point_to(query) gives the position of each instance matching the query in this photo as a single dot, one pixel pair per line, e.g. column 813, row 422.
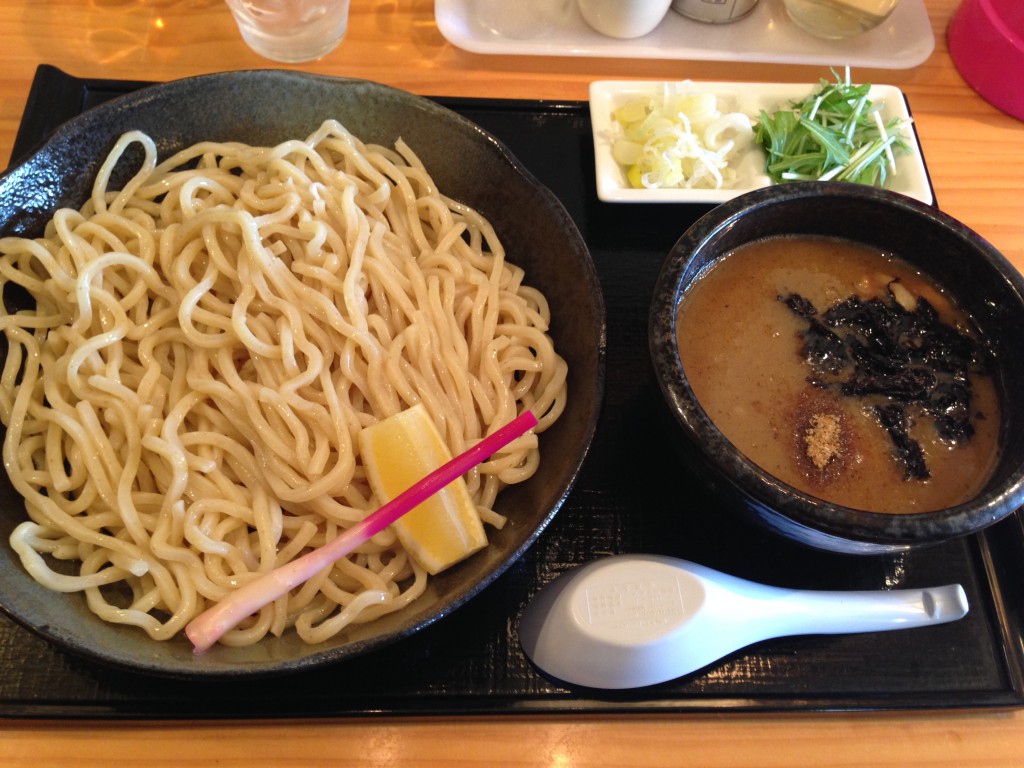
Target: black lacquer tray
column 631, row 497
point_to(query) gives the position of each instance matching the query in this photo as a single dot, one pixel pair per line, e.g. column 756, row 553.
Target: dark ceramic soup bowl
column 974, row 274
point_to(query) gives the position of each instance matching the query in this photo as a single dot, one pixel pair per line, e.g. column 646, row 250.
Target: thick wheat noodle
column 184, row 399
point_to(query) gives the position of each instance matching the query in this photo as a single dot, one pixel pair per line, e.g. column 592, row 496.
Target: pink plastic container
column 986, row 42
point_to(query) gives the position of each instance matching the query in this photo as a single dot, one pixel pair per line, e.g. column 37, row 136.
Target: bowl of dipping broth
column 843, row 365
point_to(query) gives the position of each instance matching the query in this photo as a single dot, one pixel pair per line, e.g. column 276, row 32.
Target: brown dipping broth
column 742, row 354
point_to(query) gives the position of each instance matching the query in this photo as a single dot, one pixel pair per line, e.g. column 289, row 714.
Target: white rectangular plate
column 766, row 34
column 910, row 178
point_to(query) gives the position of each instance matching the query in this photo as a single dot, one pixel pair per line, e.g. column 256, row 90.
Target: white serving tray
column 766, row 35
column 910, row 178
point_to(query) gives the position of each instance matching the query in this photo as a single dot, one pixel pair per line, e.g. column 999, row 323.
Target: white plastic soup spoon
column 628, row 621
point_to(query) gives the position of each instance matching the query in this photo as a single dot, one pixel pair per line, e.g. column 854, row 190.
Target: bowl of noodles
column 211, row 286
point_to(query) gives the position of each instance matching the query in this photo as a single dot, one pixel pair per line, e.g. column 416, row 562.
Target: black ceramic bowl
column 969, row 268
column 469, row 165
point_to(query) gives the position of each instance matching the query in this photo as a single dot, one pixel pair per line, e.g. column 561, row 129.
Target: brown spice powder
column 823, row 439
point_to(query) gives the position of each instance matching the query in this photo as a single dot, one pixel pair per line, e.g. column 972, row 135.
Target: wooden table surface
column 975, row 155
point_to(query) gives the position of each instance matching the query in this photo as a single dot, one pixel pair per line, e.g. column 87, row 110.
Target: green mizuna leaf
column 835, row 133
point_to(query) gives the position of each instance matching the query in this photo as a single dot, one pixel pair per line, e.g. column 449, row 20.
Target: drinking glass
column 291, row 30
column 837, row 19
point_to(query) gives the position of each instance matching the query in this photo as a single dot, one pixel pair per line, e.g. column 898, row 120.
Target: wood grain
column 839, row 741
column 974, row 153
